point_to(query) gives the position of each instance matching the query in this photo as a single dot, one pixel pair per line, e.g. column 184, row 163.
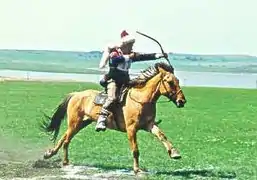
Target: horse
column 135, row 111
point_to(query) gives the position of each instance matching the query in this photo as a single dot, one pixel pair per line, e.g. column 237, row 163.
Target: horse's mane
column 150, row 72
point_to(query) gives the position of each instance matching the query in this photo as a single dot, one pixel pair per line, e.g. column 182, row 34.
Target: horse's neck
column 150, row 92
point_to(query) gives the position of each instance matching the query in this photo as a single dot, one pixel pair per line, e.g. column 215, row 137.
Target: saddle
column 102, row 96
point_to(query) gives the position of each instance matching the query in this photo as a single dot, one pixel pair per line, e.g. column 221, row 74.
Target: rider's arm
column 145, row 57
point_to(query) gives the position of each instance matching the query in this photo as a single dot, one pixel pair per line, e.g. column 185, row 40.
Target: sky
column 181, row 26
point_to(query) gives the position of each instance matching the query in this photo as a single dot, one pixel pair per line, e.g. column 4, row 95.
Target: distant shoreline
column 191, row 79
column 100, row 52
column 88, row 61
column 2, row 79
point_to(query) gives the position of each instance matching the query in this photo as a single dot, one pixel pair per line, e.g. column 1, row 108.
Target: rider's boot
column 101, row 122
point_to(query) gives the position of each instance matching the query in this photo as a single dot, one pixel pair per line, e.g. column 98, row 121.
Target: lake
column 206, row 79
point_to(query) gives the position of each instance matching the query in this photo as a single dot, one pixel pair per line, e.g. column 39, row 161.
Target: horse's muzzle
column 180, row 103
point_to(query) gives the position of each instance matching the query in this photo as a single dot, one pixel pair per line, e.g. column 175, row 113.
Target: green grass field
column 216, row 133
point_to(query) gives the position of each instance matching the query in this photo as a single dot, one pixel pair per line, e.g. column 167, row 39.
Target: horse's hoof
column 48, row 154
column 174, row 154
column 65, row 163
column 138, row 170
column 140, row 173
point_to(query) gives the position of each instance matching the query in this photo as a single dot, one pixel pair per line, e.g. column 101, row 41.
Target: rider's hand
column 165, row 55
column 160, row 55
column 132, row 55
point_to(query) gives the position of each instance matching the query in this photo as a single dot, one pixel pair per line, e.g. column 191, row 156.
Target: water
column 210, row 79
column 204, row 79
column 33, row 75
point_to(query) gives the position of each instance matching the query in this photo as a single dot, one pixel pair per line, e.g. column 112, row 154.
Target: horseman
column 119, row 57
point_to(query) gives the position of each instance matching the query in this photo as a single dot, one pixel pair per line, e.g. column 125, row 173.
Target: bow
column 156, row 42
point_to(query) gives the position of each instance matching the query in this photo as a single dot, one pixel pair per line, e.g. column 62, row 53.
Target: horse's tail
column 56, row 119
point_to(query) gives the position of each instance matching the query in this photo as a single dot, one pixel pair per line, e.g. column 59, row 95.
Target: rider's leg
column 104, row 113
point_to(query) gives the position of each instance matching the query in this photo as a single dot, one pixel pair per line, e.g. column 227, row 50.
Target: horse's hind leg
column 48, row 154
column 73, row 128
column 173, row 153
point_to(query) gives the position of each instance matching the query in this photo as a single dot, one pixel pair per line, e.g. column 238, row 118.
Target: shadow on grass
column 186, row 173
column 189, row 173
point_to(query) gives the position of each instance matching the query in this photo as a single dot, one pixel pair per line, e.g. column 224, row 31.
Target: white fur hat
column 126, row 38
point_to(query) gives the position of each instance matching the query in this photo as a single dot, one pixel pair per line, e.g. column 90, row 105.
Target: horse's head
column 170, row 87
column 160, row 75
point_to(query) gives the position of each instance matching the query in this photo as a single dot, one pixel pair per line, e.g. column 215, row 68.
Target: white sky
column 182, row 26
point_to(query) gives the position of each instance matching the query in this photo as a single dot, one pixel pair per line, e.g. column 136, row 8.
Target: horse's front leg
column 131, row 132
column 173, row 153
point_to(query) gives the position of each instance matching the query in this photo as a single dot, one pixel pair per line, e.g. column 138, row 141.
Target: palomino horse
column 136, row 112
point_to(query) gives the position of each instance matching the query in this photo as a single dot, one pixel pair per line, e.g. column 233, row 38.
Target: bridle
column 170, row 95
